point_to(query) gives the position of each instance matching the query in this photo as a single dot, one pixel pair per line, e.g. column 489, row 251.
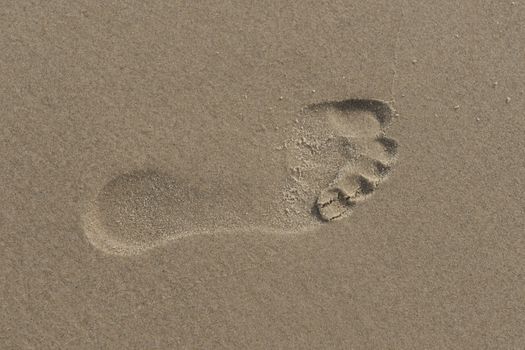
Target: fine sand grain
column 262, row 175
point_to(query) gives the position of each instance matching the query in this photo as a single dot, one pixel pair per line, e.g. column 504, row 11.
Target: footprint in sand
column 337, row 155
column 136, row 211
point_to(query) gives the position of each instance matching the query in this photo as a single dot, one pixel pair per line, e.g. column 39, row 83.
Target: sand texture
column 262, row 175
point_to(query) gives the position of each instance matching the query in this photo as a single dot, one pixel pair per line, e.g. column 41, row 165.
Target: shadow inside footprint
column 356, row 117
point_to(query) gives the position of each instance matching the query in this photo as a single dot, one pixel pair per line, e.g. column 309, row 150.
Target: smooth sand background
column 435, row 260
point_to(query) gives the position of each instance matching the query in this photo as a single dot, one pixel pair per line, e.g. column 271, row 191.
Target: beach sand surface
column 267, row 175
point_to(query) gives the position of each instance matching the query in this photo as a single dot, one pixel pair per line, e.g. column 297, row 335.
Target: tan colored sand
column 206, row 94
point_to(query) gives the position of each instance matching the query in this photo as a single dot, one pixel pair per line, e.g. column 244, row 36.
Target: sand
column 272, row 175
